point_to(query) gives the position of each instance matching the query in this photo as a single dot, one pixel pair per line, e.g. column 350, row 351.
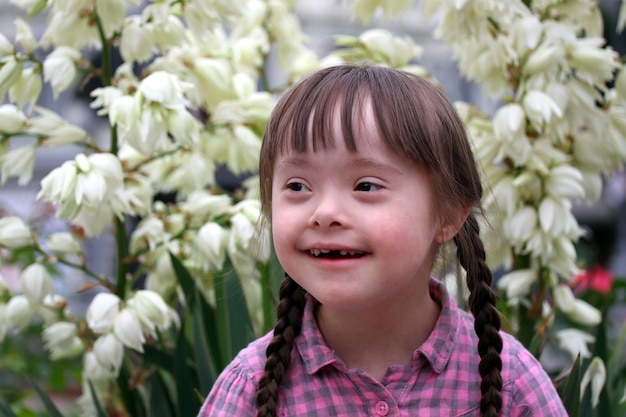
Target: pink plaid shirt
column 442, row 380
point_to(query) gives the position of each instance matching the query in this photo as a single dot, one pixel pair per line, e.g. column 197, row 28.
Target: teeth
column 318, row 252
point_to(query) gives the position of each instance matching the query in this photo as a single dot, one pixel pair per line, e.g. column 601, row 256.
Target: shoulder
column 527, row 386
column 527, row 389
column 234, row 391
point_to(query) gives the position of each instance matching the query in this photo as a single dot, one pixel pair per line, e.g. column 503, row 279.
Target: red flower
column 595, row 278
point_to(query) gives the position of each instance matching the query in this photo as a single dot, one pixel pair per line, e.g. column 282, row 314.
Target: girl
column 365, row 172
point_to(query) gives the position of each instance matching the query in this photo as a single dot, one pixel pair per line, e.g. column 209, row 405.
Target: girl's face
column 355, row 229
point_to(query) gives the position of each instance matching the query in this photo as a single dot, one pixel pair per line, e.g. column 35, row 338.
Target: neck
column 377, row 338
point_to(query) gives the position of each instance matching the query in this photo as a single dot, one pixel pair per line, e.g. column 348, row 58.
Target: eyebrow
column 356, row 163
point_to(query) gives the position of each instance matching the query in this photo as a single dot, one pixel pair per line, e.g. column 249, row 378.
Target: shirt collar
column 437, row 349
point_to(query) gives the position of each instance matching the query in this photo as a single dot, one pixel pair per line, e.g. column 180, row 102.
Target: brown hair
column 419, row 123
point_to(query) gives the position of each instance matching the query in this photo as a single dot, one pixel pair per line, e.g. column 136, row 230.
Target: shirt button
column 382, row 408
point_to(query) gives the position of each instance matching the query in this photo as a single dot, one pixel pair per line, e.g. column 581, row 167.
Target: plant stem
column 120, row 225
column 122, row 251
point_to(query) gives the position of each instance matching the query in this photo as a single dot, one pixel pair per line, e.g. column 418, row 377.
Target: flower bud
column 109, row 352
column 518, row 282
column 127, row 329
column 62, row 341
column 12, row 120
column 24, row 36
column 27, row 88
column 150, row 309
column 36, row 283
column 18, row 312
column 10, row 71
column 575, row 342
column 59, row 68
column 14, row 233
column 18, row 162
column 6, row 48
column 63, row 242
column 102, row 312
column 53, row 308
column 596, row 374
column 211, row 241
column 93, row 370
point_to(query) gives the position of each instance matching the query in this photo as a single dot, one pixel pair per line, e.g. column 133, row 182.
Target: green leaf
column 185, row 279
column 205, row 355
column 100, row 412
column 188, row 404
column 5, row 410
column 159, row 358
column 160, row 396
column 45, row 399
column 570, row 390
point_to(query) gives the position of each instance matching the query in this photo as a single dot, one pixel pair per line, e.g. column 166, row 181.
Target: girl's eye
column 367, row 187
column 297, row 186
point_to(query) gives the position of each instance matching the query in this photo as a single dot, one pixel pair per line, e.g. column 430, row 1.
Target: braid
column 482, row 303
column 288, row 325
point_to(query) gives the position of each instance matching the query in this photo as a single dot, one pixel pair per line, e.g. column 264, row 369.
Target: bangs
column 308, row 116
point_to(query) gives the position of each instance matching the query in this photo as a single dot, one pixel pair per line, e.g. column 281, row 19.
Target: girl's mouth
column 336, row 254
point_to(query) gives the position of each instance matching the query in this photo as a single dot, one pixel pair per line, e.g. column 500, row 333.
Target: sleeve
column 534, row 393
column 233, row 394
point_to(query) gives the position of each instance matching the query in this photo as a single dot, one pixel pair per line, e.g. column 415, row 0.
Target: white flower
column 575, row 342
column 18, row 162
column 519, row 226
column 18, row 312
column 136, row 197
column 127, row 329
column 102, row 312
column 540, row 108
column 596, row 374
column 54, row 129
column 12, row 120
column 36, row 283
column 59, row 68
column 364, row 9
column 94, row 370
column 53, row 308
column 111, row 14
column 509, row 122
column 6, row 48
column 565, row 181
column 24, row 36
column 103, row 98
column 576, row 310
column 62, row 341
column 211, row 241
column 14, row 233
column 165, row 89
column 84, row 190
column 162, row 279
column 150, row 309
column 200, row 205
column 63, row 242
column 27, row 88
column 136, row 43
column 518, row 282
column 555, row 217
column 394, row 50
column 109, row 353
column 10, row 72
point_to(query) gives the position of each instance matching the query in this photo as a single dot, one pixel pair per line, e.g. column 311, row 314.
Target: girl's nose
column 329, row 212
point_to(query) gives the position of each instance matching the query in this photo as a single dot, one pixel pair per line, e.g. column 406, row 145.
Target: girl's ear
column 450, row 226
